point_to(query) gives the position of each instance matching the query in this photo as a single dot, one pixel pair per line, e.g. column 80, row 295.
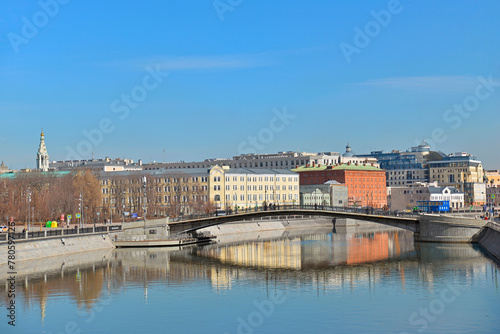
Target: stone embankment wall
column 490, row 239
column 61, row 245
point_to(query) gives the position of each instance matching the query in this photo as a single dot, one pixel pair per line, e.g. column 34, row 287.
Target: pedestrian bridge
column 426, row 227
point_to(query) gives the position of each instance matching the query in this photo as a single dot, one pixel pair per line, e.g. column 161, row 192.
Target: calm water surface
column 315, row 281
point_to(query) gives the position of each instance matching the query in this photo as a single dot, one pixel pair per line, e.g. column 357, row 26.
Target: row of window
column 260, row 197
column 258, row 179
column 260, row 187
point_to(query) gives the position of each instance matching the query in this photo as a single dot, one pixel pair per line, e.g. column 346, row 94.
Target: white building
column 42, row 157
column 451, row 194
column 406, row 198
column 280, row 160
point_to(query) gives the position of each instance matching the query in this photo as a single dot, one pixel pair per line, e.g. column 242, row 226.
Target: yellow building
column 176, row 192
column 456, row 170
column 493, row 178
column 241, row 188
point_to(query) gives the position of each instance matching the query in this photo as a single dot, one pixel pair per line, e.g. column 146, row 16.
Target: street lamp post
column 80, row 206
column 123, row 208
column 144, row 199
column 29, row 209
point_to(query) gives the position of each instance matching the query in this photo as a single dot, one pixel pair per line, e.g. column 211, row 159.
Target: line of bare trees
column 171, row 194
column 39, row 197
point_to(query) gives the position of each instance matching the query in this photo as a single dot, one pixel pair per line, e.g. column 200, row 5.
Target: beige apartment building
column 242, row 188
column 179, row 192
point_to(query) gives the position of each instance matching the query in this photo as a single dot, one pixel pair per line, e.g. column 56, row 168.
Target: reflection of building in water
column 313, row 251
column 368, row 248
column 280, row 254
column 222, row 278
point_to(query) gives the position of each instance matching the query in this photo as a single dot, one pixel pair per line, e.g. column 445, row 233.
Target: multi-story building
column 475, row 193
column 456, row 169
column 366, row 184
column 241, row 188
column 280, row 160
column 5, row 169
column 462, row 171
column 406, row 168
column 492, row 178
column 493, row 196
column 177, row 192
column 106, row 164
column 161, row 193
column 406, row 198
column 332, row 193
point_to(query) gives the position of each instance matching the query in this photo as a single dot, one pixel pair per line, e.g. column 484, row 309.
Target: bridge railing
column 272, row 207
column 50, row 233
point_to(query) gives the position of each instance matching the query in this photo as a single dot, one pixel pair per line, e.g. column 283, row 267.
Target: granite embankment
column 490, row 239
column 61, row 245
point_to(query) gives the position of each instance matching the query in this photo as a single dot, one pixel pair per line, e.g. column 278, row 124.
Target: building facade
column 406, row 198
column 406, row 168
column 106, row 164
column 492, row 178
column 177, row 192
column 366, row 184
column 242, row 188
column 462, row 171
column 280, row 160
column 332, row 193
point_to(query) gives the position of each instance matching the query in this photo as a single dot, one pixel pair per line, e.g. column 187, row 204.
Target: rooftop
column 336, row 167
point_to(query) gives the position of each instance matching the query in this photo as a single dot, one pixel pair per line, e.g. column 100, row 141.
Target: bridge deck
column 409, row 223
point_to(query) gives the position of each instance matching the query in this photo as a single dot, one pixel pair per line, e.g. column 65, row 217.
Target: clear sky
column 195, row 79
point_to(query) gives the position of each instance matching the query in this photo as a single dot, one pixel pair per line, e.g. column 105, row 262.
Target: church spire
column 42, row 157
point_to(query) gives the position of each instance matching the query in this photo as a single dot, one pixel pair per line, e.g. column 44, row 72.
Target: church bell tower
column 42, row 157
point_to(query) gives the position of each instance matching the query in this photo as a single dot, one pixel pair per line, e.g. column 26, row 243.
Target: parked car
column 3, row 229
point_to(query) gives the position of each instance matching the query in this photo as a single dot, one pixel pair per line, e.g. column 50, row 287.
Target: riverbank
column 26, row 249
column 490, row 239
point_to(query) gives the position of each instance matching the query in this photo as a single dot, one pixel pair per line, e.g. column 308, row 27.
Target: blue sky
column 226, row 71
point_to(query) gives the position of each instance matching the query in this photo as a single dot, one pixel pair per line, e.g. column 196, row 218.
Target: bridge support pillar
column 448, row 229
column 344, row 222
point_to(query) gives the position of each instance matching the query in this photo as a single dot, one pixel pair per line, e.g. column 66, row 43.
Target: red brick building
column 366, row 184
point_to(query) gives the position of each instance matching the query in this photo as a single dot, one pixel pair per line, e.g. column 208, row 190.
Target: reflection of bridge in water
column 435, row 228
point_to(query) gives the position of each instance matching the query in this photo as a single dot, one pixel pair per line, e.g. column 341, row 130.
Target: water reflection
column 320, row 259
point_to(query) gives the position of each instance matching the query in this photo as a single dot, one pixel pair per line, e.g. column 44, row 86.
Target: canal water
column 356, row 280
